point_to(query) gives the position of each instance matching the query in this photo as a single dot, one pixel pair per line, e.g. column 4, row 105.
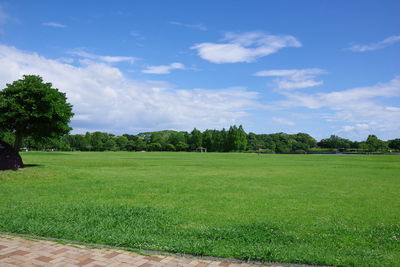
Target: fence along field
column 315, row 209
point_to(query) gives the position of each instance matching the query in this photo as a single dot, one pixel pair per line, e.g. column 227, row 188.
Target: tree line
column 230, row 140
column 35, row 115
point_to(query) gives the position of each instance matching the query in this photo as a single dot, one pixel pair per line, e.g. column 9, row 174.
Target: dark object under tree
column 9, row 157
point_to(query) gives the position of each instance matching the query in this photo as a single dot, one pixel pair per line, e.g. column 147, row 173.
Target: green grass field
column 341, row 210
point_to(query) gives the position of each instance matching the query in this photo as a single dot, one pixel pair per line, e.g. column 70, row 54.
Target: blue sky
column 321, row 67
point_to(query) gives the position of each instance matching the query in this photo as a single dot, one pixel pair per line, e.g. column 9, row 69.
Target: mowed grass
column 341, row 210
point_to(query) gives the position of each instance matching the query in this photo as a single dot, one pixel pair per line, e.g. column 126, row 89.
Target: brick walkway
column 17, row 251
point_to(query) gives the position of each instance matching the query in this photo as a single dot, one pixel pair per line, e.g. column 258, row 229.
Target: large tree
column 31, row 107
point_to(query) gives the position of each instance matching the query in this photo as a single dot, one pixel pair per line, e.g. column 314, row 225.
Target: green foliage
column 374, row 144
column 195, row 139
column 177, row 137
column 121, row 142
column 282, row 141
column 182, row 146
column 30, row 107
column 324, row 210
column 7, row 137
column 394, row 144
column 170, row 147
column 155, row 146
column 237, row 139
column 334, row 142
column 110, row 145
column 80, row 142
column 255, row 142
column 306, row 140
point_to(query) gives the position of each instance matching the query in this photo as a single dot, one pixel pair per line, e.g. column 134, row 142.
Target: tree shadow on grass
column 31, row 165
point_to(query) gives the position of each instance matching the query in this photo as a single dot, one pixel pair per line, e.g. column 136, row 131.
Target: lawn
column 341, row 210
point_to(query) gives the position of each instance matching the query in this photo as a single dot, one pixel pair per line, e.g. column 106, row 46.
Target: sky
column 314, row 66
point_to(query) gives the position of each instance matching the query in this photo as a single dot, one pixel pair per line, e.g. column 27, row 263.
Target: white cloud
column 294, row 78
column 137, row 36
column 362, row 110
column 54, row 24
column 246, row 47
column 199, row 26
column 164, row 69
column 283, row 121
column 105, row 99
column 375, row 46
column 107, row 59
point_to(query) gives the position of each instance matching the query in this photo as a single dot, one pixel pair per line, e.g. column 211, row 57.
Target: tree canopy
column 31, row 108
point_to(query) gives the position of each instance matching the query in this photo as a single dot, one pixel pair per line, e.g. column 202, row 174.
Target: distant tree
column 110, row 145
column 241, row 139
column 299, row 146
column 282, row 142
column 195, row 140
column 97, row 141
column 130, row 146
column 253, row 142
column 135, row 142
column 169, row 147
column 374, row 144
column 394, row 144
column 30, row 107
column 334, row 142
column 155, row 147
column 236, row 138
column 221, row 141
column 140, row 145
column 269, row 142
column 176, row 137
column 64, row 143
column 78, row 142
column 208, row 140
column 306, row 140
column 182, row 146
column 88, row 140
column 156, row 137
column 121, row 142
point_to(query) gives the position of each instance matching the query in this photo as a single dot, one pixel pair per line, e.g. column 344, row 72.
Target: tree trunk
column 18, row 140
column 9, row 157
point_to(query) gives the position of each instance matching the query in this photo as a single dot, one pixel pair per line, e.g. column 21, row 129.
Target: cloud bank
column 105, row 99
column 246, row 47
column 360, row 111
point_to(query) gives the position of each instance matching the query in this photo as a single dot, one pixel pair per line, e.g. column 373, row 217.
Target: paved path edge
column 145, row 252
